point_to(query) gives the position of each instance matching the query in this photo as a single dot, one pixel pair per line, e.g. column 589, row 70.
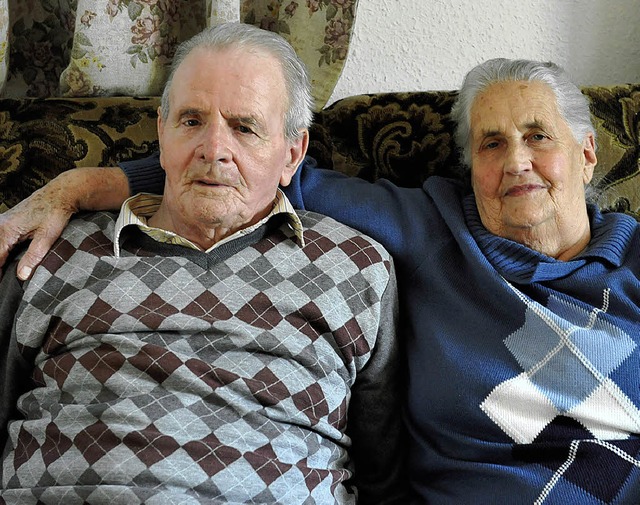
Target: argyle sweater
column 524, row 371
column 250, row 374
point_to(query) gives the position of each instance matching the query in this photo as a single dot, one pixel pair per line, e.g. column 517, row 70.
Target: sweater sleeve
column 375, row 414
column 14, row 369
column 380, row 210
column 145, row 175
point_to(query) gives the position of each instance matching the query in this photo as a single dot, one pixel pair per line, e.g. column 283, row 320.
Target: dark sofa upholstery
column 405, row 137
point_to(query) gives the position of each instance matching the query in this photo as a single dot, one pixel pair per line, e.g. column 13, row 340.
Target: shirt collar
column 136, row 211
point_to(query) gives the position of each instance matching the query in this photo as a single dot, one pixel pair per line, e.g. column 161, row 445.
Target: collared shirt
column 136, row 211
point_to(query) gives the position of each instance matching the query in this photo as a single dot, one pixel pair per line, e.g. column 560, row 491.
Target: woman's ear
column 590, row 158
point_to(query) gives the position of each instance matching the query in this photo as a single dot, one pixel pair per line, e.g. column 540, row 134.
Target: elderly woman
column 521, row 301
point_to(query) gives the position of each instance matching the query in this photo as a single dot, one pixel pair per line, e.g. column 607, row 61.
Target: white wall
column 412, row 45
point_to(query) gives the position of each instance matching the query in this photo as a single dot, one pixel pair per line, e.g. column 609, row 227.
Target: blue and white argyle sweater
column 524, row 371
column 250, row 374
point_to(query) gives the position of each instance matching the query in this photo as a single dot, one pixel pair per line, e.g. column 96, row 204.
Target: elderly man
column 521, row 316
column 210, row 345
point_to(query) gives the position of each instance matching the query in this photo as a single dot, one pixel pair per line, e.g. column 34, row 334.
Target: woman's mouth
column 523, row 189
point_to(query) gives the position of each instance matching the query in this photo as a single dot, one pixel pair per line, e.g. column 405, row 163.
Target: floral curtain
column 124, row 47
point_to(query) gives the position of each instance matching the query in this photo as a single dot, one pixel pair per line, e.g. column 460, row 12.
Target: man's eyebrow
column 248, row 120
column 244, row 116
column 189, row 111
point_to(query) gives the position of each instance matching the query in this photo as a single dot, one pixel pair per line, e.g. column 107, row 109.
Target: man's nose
column 517, row 158
column 215, row 143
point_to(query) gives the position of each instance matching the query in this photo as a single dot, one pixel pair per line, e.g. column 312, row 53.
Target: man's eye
column 244, row 129
column 537, row 137
column 191, row 122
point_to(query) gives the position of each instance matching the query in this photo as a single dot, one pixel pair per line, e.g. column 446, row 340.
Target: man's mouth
column 208, row 182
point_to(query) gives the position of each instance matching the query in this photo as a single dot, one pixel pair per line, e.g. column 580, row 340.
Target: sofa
column 404, row 136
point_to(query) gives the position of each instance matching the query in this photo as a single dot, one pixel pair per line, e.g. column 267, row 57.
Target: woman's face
column 528, row 171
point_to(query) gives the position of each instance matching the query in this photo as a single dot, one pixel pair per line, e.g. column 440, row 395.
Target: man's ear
column 296, row 153
column 160, row 125
column 590, row 159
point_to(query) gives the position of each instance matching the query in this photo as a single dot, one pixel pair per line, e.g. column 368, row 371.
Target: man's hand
column 42, row 216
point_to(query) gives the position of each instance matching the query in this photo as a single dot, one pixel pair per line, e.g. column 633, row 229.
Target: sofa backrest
column 407, row 137
column 404, row 137
column 39, row 138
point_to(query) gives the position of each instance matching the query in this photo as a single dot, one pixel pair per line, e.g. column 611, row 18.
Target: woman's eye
column 491, row 145
column 537, row 137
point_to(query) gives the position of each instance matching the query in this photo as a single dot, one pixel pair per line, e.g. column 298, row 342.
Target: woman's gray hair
column 299, row 107
column 572, row 104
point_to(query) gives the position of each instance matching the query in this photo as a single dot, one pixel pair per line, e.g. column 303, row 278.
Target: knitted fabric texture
column 523, row 370
column 171, row 375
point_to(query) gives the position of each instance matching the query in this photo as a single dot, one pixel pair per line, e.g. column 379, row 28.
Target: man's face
column 528, row 170
column 222, row 145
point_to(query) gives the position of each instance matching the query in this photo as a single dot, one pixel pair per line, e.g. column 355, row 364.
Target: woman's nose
column 517, row 158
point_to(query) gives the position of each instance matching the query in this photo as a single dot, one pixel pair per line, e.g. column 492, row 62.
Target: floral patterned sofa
column 405, row 137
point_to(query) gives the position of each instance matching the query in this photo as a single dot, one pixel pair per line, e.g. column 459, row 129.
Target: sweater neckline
column 610, row 238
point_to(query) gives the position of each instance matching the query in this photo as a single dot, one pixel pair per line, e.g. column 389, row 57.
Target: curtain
column 124, row 47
